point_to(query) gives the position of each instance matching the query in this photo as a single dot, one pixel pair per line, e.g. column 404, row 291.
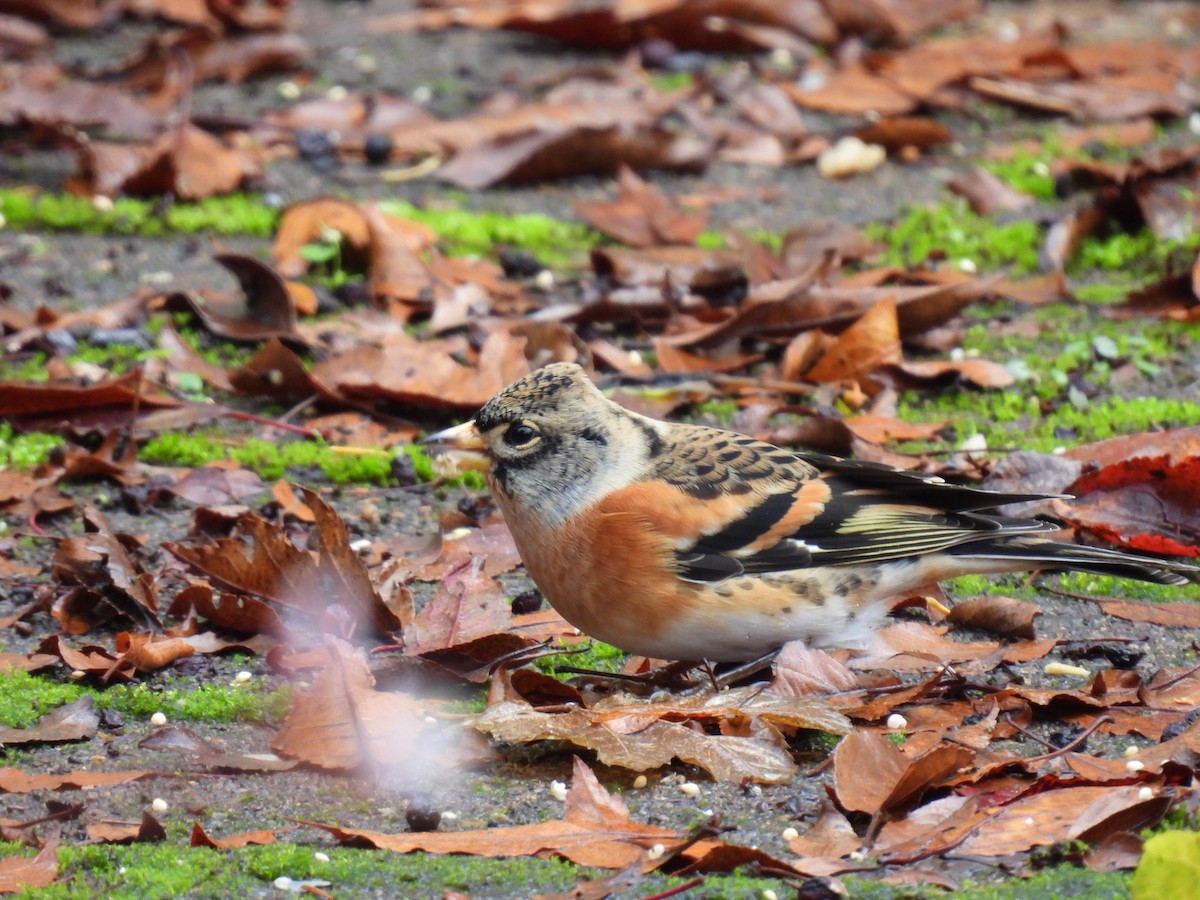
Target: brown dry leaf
column 801, row 670
column 856, row 91
column 215, row 485
column 342, row 723
column 871, row 342
column 190, row 164
column 701, row 271
column 100, row 561
column 199, row 752
column 642, row 215
column 56, row 103
column 887, row 430
column 212, row 56
column 467, row 605
column 329, row 582
column 16, row 781
column 1172, row 615
column 1073, row 813
column 986, row 193
column 408, row 371
column 902, row 132
column 1003, row 616
column 148, row 830
column 595, row 831
column 43, row 406
column 19, row 873
column 639, row 736
column 258, row 838
column 1145, row 503
column 240, row 614
column 73, row 722
column 265, row 311
column 573, row 139
column 933, row 373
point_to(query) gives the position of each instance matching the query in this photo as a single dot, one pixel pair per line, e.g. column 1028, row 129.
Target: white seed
column 957, row 354
column 1131, row 751
column 101, row 203
column 857, row 856
column 1008, row 31
column 1135, row 765
column 544, row 280
column 449, row 816
column 896, row 721
column 976, row 443
column 1057, row 668
column 1029, row 820
column 968, row 266
column 1146, row 793
column 158, row 720
column 849, row 156
column 558, row 790
column 769, row 894
column 159, row 805
column 77, row 674
column 337, row 92
column 242, row 677
column 421, row 94
column 656, row 851
column 640, row 782
column 690, row 789
column 362, row 545
column 782, row 58
column 289, row 90
column 1040, row 169
column 790, row 833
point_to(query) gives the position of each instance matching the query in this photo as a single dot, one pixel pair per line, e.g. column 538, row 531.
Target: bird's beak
column 458, row 448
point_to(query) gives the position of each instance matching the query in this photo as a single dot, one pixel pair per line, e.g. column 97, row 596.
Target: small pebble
column 656, row 851
column 1135, row 765
column 544, row 280
column 321, row 857
column 857, row 856
column 1131, row 752
column 102, row 204
column 159, row 805
column 968, row 266
column 769, row 894
column 558, row 790
column 790, row 833
column 1145, row 793
column 640, row 782
column 421, row 94
column 242, row 677
column 337, row 92
column 690, row 789
column 158, row 720
column 896, row 721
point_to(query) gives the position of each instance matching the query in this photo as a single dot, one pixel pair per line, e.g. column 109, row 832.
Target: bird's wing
column 732, row 504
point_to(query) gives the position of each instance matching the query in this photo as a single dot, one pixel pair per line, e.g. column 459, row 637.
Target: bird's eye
column 520, row 434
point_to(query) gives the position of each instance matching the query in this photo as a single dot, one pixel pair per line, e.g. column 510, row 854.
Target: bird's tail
column 1048, row 554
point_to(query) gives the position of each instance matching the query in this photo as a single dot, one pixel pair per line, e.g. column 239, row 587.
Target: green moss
column 208, row 703
column 1026, row 172
column 1137, row 257
column 270, row 459
column 24, row 698
column 551, row 240
column 31, row 370
column 228, row 215
column 597, row 657
column 672, row 81
column 952, row 231
column 423, row 467
column 25, row 451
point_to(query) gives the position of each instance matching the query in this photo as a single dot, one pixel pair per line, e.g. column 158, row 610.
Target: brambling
column 685, row 542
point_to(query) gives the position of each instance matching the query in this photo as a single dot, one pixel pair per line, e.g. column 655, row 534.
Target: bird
column 679, row 541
